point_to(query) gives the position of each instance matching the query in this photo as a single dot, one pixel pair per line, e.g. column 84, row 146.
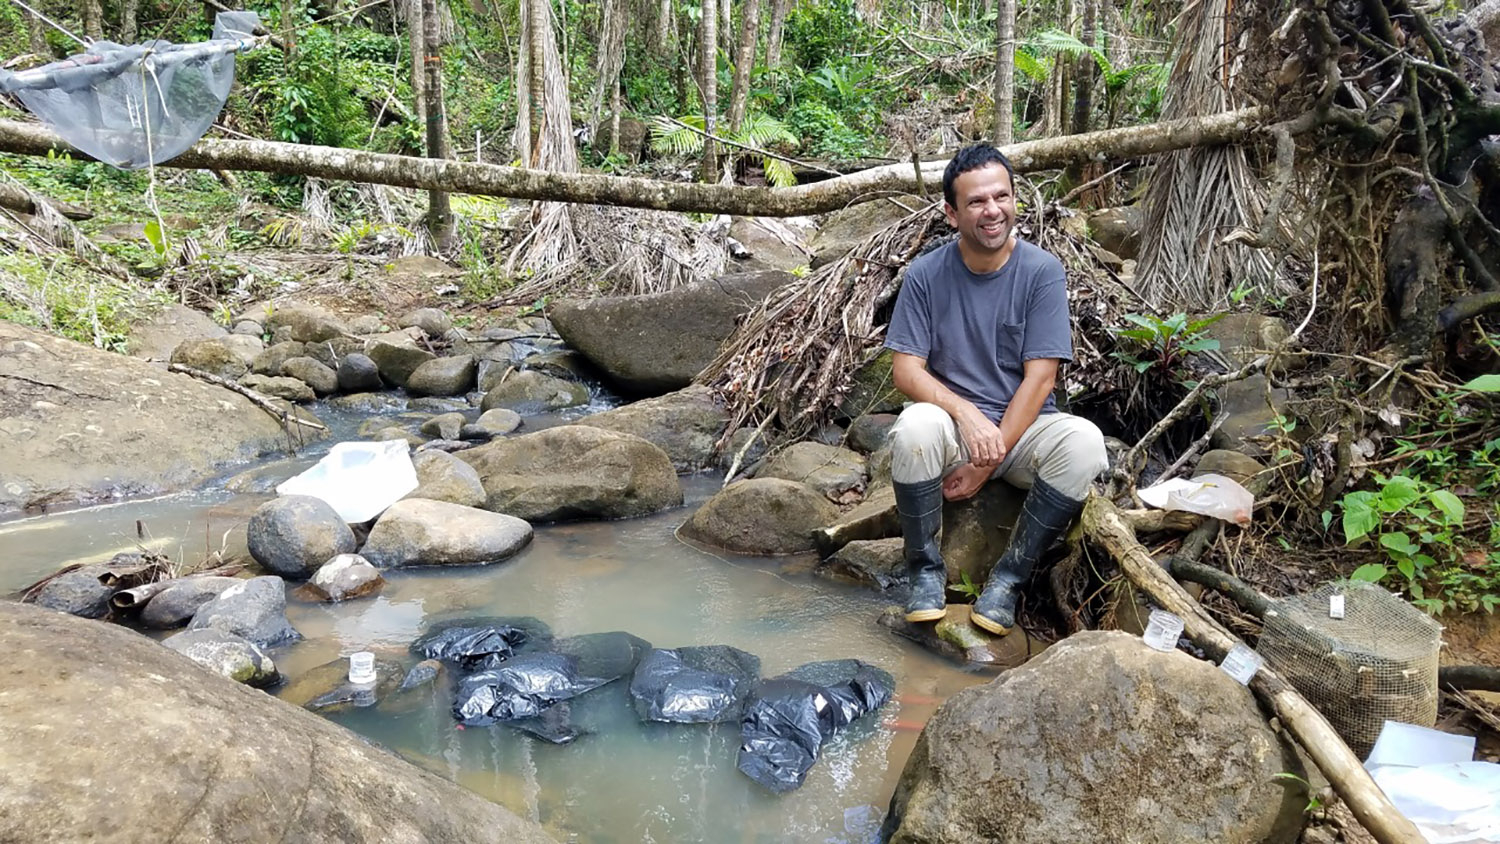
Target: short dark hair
column 973, row 157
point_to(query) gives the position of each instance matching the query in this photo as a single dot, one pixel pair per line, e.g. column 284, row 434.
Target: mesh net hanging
column 133, row 106
column 1377, row 663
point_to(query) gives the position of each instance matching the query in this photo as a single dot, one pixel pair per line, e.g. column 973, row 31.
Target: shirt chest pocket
column 1010, row 342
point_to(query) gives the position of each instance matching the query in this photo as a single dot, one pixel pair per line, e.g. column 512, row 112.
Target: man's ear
column 951, row 214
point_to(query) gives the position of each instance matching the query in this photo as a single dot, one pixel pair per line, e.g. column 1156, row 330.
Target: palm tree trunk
column 1085, row 70
column 744, row 60
column 129, row 10
column 93, row 19
column 415, row 34
column 1005, row 71
column 708, row 78
column 666, row 25
column 539, row 19
column 439, row 211
column 779, row 8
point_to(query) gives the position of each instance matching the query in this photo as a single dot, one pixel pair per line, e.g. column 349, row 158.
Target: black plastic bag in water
column 694, row 685
column 786, row 724
column 522, row 687
column 478, row 646
column 603, row 656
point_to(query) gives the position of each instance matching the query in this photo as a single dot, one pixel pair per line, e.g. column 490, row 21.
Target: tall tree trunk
column 1086, row 69
column 666, row 27
column 744, row 60
column 932, row 14
column 708, row 78
column 726, row 19
column 614, row 122
column 1005, row 71
column 779, row 9
column 610, row 58
column 593, row 188
column 540, row 20
column 129, row 11
column 416, row 34
column 34, row 36
column 93, row 19
column 439, row 212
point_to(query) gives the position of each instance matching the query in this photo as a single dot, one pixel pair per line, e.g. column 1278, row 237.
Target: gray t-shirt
column 975, row 331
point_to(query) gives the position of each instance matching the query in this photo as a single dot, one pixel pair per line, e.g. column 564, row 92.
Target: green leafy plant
column 757, row 130
column 1151, row 76
column 1313, row 802
column 968, row 588
column 1163, row 343
column 1413, row 524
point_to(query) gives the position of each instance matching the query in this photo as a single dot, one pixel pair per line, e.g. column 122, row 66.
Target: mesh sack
column 133, row 106
column 1377, row 663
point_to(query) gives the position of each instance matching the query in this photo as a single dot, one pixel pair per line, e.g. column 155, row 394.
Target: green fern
column 757, row 130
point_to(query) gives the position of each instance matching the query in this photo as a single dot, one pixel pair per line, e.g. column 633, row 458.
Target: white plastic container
column 1241, row 663
column 1163, row 631
column 362, row 668
column 358, row 479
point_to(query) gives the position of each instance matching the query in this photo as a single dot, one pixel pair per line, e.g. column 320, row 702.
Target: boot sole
column 985, row 624
column 926, row 615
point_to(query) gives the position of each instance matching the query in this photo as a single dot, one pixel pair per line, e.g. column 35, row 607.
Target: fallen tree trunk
column 1103, row 524
column 17, row 199
column 595, row 189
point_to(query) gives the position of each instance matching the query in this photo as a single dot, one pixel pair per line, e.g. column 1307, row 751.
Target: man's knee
column 919, row 425
column 1077, row 458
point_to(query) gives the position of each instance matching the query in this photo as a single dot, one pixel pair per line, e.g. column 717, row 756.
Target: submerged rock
column 254, row 609
column 685, row 424
column 344, row 578
column 226, row 655
column 657, row 342
column 761, row 516
column 955, row 637
column 236, row 755
column 1101, row 739
column 295, row 534
column 575, row 472
column 327, row 689
column 872, row 562
column 420, row 532
column 176, row 605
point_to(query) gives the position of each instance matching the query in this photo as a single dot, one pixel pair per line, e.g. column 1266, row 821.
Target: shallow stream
column 627, row 782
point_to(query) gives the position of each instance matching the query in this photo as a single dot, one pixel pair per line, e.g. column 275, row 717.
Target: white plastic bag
column 1211, row 495
column 358, row 479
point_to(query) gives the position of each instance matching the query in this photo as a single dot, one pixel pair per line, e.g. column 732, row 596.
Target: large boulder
column 78, row 592
column 831, row 470
column 304, row 323
column 976, row 531
column 313, row 373
column 633, row 135
column 443, row 477
column 78, row 424
column 657, row 342
column 396, row 361
column 254, row 609
column 226, row 655
column 1099, row 739
column 772, row 244
column 534, row 392
column 243, row 766
column 761, row 516
column 433, row 322
column 177, row 604
column 269, row 361
column 575, row 472
column 279, row 387
column 421, row 532
column 295, row 534
column 1117, row 230
column 449, row 376
column 847, row 228
column 685, row 424
column 159, row 336
column 218, row 356
column 358, row 373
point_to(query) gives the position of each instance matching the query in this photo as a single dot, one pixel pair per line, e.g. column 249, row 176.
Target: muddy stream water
column 626, row 781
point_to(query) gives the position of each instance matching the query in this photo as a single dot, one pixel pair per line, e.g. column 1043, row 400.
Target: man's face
column 986, row 210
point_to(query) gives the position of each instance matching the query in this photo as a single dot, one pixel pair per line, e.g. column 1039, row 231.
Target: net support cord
column 1104, row 525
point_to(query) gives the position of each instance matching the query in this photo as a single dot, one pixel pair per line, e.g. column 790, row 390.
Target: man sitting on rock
column 979, row 329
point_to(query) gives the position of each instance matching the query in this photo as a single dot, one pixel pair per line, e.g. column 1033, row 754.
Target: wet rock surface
column 1099, row 739
column 448, row 376
column 226, row 655
column 685, row 424
column 761, row 516
column 295, row 534
column 254, row 609
column 534, row 392
column 344, row 578
column 575, row 472
column 146, row 702
column 421, row 532
column 873, row 562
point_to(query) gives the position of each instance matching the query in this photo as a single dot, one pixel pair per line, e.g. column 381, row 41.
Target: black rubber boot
column 1044, row 515
column 920, row 506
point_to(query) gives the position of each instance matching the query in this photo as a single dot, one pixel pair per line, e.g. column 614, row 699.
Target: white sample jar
column 361, row 668
column 1241, row 663
column 1163, row 631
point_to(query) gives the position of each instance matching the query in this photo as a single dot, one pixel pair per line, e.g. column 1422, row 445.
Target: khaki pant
column 1064, row 450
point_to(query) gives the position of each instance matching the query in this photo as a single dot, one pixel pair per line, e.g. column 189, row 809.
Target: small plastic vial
column 362, row 668
column 1241, row 663
column 1163, row 631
